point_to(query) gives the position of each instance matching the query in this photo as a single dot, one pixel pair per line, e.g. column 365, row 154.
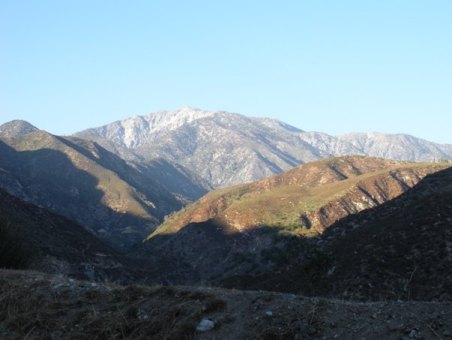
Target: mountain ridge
column 228, row 148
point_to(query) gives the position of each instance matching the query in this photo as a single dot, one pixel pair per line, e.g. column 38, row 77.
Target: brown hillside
column 400, row 250
column 307, row 199
column 272, row 225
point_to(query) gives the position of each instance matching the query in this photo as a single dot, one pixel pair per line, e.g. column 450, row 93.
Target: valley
column 221, row 216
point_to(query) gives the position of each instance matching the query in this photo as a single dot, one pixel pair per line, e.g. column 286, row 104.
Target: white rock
column 205, row 325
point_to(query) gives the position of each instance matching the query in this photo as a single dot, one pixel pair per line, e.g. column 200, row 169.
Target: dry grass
column 39, row 306
column 280, row 203
column 56, row 308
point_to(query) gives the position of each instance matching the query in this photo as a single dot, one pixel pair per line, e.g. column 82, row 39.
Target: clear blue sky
column 326, row 65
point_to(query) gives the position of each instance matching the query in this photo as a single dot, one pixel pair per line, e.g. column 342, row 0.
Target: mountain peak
column 16, row 128
column 181, row 116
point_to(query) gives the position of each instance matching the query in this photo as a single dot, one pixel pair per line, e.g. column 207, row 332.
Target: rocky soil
column 37, row 306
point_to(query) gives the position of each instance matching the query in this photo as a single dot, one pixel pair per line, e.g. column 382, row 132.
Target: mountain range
column 198, row 198
column 227, row 148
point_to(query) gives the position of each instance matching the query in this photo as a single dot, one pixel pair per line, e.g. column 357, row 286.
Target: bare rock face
column 223, row 148
column 228, row 149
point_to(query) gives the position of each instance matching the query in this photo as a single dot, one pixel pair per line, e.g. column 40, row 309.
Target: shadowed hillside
column 217, row 239
column 80, row 180
column 398, row 250
column 34, row 238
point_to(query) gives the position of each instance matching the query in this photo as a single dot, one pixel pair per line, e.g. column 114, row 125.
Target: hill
column 270, row 224
column 35, row 239
column 16, row 128
column 116, row 200
column 399, row 250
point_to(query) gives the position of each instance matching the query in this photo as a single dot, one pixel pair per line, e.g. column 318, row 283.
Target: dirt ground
column 40, row 306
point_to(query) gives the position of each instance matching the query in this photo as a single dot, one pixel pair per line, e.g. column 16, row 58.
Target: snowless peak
column 17, row 128
column 226, row 148
column 135, row 131
column 174, row 119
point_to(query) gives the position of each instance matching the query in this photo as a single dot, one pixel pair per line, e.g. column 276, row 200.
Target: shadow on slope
column 399, row 250
column 157, row 178
column 209, row 254
column 48, row 178
column 34, row 238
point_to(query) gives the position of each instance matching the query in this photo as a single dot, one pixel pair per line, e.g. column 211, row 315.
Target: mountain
column 117, row 200
column 227, row 149
column 389, row 146
column 16, row 128
column 266, row 225
column 34, row 238
column 223, row 148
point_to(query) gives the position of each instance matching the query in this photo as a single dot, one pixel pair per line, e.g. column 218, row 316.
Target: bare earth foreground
column 41, row 306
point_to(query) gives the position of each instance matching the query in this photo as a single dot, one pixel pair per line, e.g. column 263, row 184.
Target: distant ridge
column 228, row 148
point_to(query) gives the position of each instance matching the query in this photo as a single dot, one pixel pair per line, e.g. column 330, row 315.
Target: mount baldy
column 223, row 148
column 228, row 148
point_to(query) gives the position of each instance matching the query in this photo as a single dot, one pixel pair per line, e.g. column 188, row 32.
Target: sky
column 322, row 65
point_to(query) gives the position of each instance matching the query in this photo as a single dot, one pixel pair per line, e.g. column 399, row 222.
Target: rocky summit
column 228, row 148
column 16, row 128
